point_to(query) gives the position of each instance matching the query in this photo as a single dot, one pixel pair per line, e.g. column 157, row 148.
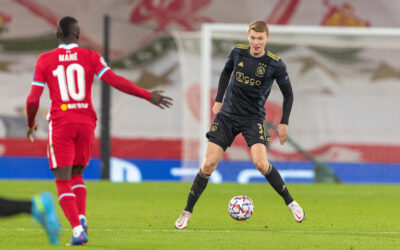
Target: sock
column 275, row 179
column 82, row 217
column 198, row 186
column 11, row 207
column 67, row 201
column 79, row 189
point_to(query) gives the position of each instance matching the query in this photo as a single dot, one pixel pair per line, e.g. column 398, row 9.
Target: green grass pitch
column 142, row 216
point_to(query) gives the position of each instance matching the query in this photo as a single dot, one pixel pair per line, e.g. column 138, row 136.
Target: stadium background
column 355, row 132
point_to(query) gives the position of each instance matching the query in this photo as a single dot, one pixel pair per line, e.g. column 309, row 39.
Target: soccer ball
column 241, row 207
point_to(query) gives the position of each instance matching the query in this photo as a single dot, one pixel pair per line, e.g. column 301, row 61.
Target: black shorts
column 224, row 130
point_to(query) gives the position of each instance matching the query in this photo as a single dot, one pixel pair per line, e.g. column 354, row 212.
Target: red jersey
column 68, row 72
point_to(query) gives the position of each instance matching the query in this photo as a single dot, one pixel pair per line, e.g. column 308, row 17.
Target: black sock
column 9, row 207
column 198, row 186
column 275, row 179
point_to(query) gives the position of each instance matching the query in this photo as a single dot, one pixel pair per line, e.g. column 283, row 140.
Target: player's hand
column 283, row 132
column 30, row 131
column 216, row 108
column 160, row 100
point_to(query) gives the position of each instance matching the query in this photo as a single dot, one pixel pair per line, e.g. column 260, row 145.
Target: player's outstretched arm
column 160, row 100
column 124, row 85
column 130, row 88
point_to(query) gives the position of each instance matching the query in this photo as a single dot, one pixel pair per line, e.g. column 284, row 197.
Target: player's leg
column 83, row 148
column 67, row 199
column 61, row 151
column 220, row 136
column 41, row 207
column 213, row 156
column 259, row 158
column 13, row 207
column 254, row 133
column 79, row 189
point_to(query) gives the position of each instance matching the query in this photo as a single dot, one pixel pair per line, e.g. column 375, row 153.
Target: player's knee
column 63, row 172
column 209, row 166
column 262, row 166
column 77, row 170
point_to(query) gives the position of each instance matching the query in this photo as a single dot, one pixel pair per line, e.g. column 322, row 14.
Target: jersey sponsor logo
column 81, row 105
column 240, row 77
column 69, row 57
column 261, row 70
column 240, row 64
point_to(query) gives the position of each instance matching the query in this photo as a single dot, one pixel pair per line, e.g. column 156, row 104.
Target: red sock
column 79, row 189
column 66, row 198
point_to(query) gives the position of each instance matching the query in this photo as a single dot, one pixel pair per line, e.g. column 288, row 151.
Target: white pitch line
column 213, row 231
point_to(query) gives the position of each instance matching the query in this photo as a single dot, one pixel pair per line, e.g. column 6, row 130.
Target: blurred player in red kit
column 68, row 72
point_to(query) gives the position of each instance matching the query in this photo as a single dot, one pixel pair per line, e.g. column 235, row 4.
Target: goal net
column 346, row 84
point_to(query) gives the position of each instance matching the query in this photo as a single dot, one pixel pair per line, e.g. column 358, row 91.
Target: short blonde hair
column 258, row 26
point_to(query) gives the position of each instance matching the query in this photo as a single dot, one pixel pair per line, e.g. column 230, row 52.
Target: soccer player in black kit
column 247, row 79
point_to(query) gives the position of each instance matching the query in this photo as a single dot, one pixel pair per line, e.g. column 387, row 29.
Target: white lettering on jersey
column 68, row 57
column 81, row 105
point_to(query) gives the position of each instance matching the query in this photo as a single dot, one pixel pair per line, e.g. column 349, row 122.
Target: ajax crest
column 260, row 70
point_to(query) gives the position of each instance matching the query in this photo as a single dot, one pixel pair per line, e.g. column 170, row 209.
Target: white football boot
column 297, row 211
column 183, row 220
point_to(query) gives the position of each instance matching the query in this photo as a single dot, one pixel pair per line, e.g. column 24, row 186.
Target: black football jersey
column 251, row 82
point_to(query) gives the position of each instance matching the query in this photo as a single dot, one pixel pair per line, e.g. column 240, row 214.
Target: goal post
column 340, row 58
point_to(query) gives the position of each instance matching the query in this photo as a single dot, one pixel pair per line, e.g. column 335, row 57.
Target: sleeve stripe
column 41, row 84
column 102, row 71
